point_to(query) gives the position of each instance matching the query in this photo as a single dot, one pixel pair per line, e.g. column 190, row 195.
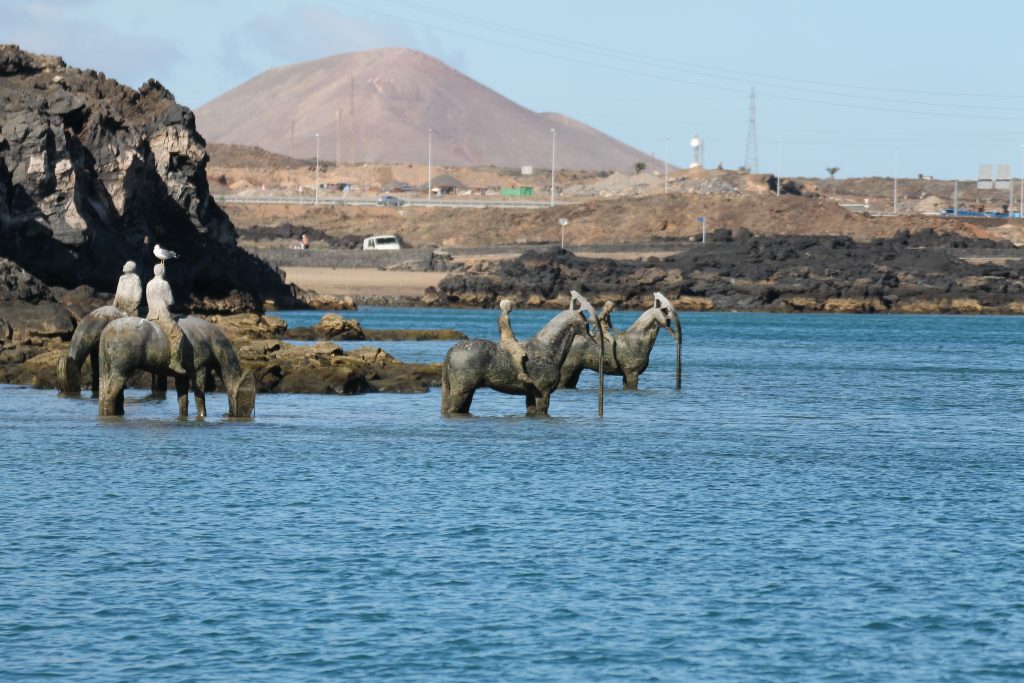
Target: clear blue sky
column 842, row 84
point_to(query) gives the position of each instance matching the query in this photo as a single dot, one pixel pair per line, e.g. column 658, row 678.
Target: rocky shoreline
column 29, row 355
column 922, row 272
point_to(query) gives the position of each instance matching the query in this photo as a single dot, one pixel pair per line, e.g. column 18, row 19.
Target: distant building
column 445, row 184
column 525, row 191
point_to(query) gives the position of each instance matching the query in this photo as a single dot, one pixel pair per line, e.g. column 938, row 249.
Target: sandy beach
column 360, row 282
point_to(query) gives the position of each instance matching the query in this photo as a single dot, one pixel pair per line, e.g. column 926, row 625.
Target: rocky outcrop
column 325, row 368
column 30, row 317
column 93, row 173
column 331, row 327
column 922, row 272
column 279, row 367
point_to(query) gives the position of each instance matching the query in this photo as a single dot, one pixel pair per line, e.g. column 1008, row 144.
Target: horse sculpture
column 130, row 344
column 626, row 353
column 470, row 365
column 85, row 343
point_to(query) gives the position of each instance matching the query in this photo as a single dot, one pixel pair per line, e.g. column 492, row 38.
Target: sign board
column 1002, row 178
column 985, row 176
column 994, row 177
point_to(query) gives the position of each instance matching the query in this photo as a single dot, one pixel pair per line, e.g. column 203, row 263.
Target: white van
column 382, row 242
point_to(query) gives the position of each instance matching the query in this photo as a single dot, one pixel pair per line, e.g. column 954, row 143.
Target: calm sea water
column 829, row 498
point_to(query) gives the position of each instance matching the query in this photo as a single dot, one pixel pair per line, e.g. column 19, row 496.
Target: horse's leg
column 572, row 379
column 111, row 393
column 94, row 360
column 456, row 402
column 630, row 380
column 158, row 385
column 531, row 403
column 199, row 388
column 543, row 401
column 181, row 386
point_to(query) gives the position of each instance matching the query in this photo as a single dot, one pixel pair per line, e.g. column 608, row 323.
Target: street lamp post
column 430, row 135
column 552, row 167
column 666, row 164
column 316, row 181
column 1021, row 181
column 895, row 181
column 778, row 165
column 563, row 222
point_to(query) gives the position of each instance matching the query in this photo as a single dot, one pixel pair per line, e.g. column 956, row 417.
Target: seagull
column 163, row 254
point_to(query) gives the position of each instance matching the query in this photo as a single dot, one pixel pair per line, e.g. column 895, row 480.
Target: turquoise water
column 830, row 497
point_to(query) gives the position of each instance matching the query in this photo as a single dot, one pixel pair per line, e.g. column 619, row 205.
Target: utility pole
column 895, row 158
column 337, row 139
column 291, row 148
column 352, row 119
column 430, row 135
column 666, row 164
column 778, row 165
column 552, row 167
column 316, row 182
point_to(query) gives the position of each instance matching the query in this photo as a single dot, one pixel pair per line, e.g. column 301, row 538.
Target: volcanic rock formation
column 93, row 173
column 924, row 272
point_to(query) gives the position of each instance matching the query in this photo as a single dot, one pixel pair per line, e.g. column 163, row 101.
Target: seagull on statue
column 163, row 254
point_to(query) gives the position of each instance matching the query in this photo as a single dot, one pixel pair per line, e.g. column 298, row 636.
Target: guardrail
column 418, row 203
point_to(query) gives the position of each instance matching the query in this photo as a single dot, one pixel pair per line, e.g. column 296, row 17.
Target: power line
column 685, row 66
column 633, row 72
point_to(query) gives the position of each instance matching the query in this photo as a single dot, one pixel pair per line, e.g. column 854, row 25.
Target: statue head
column 505, row 305
column 129, row 267
column 158, row 270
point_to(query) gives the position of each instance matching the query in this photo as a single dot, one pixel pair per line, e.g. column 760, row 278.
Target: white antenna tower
column 750, row 161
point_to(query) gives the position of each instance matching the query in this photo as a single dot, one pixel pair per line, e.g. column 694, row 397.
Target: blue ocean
column 829, row 497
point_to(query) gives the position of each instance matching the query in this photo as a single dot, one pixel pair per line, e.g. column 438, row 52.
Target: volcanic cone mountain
column 386, row 100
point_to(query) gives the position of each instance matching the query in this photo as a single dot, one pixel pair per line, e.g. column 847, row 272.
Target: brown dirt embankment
column 600, row 221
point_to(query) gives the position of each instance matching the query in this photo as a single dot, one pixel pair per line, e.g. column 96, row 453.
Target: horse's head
column 669, row 312
column 242, row 396
column 598, row 332
column 575, row 298
column 665, row 314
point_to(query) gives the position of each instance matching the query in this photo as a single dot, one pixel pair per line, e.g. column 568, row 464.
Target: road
column 418, row 203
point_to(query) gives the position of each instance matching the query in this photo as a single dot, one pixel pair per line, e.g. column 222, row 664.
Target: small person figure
column 159, row 298
column 511, row 344
column 305, row 241
column 129, row 290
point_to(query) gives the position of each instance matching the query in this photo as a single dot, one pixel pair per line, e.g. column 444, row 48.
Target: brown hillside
column 388, row 99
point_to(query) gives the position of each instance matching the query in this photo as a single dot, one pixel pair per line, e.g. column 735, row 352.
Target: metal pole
column 703, row 230
column 956, row 197
column 430, row 134
column 778, row 166
column 1021, row 181
column 552, row 167
column 666, row 164
column 316, row 190
column 895, row 157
